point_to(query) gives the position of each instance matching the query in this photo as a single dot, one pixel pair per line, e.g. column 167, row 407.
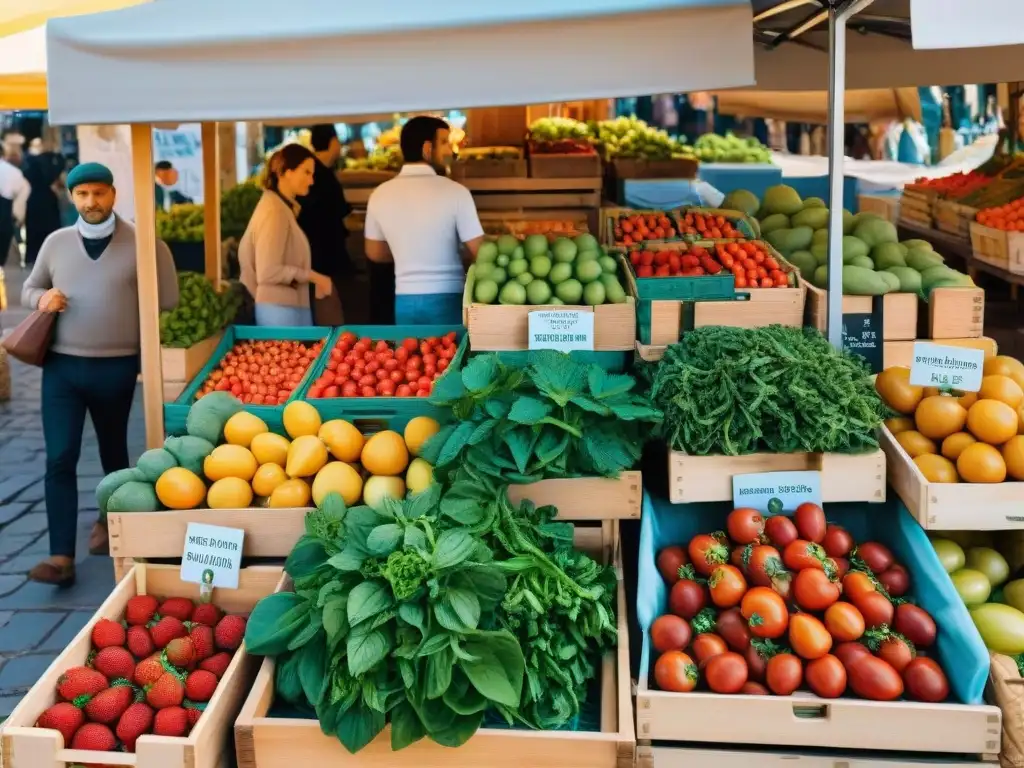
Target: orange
column 915, row 444
column 899, row 424
column 981, row 463
column 1013, row 455
column 386, row 454
column 1002, row 388
column 992, row 421
column 178, row 488
column 954, row 445
column 1004, row 365
column 939, row 416
column 966, row 399
column 936, row 469
column 894, row 387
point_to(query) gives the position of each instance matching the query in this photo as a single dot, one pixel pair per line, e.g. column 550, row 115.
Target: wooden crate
column 844, row 477
column 180, row 366
column 489, row 168
column 579, row 166
column 955, row 313
column 264, row 742
column 902, row 352
column 359, row 184
column 886, row 206
column 24, row 746
column 624, row 168
column 916, row 206
column 899, row 311
column 704, row 757
column 953, row 218
column 952, row 506
column 650, row 353
column 998, row 248
column 524, row 194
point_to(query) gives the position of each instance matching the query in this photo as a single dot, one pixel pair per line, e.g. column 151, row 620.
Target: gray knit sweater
column 102, row 316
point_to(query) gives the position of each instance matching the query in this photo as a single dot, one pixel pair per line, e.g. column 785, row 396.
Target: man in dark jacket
column 322, row 218
column 166, row 178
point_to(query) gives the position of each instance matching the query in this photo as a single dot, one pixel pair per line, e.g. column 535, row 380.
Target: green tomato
column 989, row 562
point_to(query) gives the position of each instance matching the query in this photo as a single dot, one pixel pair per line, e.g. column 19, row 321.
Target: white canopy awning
column 191, row 60
column 974, row 24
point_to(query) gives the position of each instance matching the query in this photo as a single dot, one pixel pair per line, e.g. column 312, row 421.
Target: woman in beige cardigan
column 274, row 253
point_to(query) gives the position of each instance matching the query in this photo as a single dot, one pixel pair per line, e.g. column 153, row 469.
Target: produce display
column 630, row 137
column 490, row 153
column 184, row 223
column 364, row 368
column 262, row 372
column 707, row 226
column 1009, row 217
column 643, row 226
column 779, row 604
column 751, row 263
column 972, row 437
column 381, row 158
column 734, row 391
column 956, row 184
column 559, row 129
column 550, row 228
column 536, row 271
column 712, row 148
column 152, row 672
column 200, row 313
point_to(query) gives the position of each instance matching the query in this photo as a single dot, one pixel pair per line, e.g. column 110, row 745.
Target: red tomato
column 876, row 556
column 762, row 564
column 331, row 391
column 813, row 590
column 876, row 609
column 800, row 554
column 894, row 649
column 706, row 552
column 706, row 646
column 745, row 526
column 315, row 392
column 842, row 566
column 915, row 624
column 386, row 388
column 837, row 541
column 780, row 530
column 848, row 652
column 687, row 598
column 784, row 673
column 669, row 561
column 410, row 345
column 856, row 584
column 726, row 585
column 403, row 391
column 895, row 579
column 810, row 522
column 826, row 676
column 350, row 389
column 925, row 680
column 726, row 672
column 808, row 636
column 844, row 622
column 732, row 628
column 765, row 612
column 751, row 688
column 670, row 633
column 368, row 391
column 757, row 656
column 874, row 679
column 675, row 671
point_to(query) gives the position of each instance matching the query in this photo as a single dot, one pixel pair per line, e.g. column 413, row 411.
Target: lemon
column 290, row 493
column 230, row 461
column 385, row 454
column 306, row 456
column 301, row 418
column 342, row 439
column 418, row 431
column 269, row 448
column 242, row 428
column 338, row 477
column 378, row 488
column 267, row 478
column 229, row 493
column 420, row 476
column 177, row 488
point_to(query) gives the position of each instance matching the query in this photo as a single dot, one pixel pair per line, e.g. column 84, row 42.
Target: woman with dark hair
column 274, row 254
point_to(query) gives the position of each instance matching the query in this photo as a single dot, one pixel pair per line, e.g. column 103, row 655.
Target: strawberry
column 107, row 706
column 94, row 737
column 114, row 662
column 140, row 610
column 167, row 691
column 200, row 685
column 107, row 633
column 218, row 664
column 148, row 671
column 201, row 636
column 208, row 614
column 194, row 710
column 172, row 721
column 135, row 721
column 230, row 632
column 80, row 681
column 180, row 652
column 63, row 717
column 179, row 607
column 139, row 642
column 167, row 629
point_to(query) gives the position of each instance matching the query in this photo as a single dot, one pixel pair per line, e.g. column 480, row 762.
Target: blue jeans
column 428, row 309
column 281, row 315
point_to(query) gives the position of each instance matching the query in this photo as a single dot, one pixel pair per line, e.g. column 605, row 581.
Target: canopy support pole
column 211, row 203
column 837, row 18
column 149, row 295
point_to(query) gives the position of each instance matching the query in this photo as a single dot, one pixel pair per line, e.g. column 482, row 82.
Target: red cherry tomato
column 675, row 671
column 744, row 525
column 726, row 672
column 837, row 542
column 670, row 633
column 669, row 561
column 687, row 598
column 810, row 522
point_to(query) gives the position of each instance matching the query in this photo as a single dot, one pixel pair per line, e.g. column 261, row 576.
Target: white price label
column 936, row 365
column 566, row 330
column 212, row 556
column 776, row 492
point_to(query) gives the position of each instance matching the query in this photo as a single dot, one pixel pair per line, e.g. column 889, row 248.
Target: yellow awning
column 20, row 16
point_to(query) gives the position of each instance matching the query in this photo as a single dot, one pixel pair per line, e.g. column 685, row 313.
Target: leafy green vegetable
column 735, row 391
column 200, row 313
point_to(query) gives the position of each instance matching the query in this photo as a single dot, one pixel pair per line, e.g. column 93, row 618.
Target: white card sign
column 564, row 330
column 776, row 492
column 212, row 556
column 937, row 365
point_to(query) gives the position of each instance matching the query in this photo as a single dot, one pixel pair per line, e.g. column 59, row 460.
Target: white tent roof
column 190, row 60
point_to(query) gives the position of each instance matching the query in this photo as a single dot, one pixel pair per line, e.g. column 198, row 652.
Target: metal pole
column 837, row 19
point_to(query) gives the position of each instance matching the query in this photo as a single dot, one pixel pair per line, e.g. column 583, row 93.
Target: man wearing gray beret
column 87, row 273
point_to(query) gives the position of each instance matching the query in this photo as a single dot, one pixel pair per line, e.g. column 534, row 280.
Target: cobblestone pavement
column 37, row 621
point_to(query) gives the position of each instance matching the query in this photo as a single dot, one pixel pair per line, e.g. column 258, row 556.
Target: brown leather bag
column 31, row 338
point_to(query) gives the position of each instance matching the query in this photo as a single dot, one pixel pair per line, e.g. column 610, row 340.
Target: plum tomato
column 875, row 608
column 780, row 531
column 758, row 653
column 670, row 633
column 765, row 612
column 813, row 590
column 876, row 556
column 784, row 673
column 726, row 672
column 800, row 554
column 856, row 584
column 897, row 651
column 706, row 646
column 726, row 585
column 873, row 678
column 707, row 551
column 842, row 566
column 762, row 564
column 844, row 622
column 808, row 637
column 745, row 525
column 915, row 624
column 837, row 542
column 732, row 628
column 675, row 671
column 925, row 680
column 895, row 579
column 752, row 688
column 849, row 652
column 669, row 561
column 826, row 677
column 686, row 598
column 810, row 522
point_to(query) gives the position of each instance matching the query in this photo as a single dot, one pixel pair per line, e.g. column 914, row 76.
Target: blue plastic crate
column 176, row 413
column 959, row 647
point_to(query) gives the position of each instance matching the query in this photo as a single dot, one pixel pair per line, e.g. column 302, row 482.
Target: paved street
column 36, row 621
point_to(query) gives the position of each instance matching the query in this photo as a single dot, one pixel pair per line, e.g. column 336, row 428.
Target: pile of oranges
column 1008, row 218
column 708, row 226
column 973, row 437
column 642, row 227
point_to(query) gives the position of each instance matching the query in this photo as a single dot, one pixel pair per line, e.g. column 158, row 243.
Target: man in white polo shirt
column 418, row 220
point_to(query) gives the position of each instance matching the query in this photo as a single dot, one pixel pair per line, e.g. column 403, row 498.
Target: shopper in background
column 42, row 169
column 88, row 273
column 322, row 218
column 273, row 254
column 166, row 178
column 418, row 220
column 14, row 193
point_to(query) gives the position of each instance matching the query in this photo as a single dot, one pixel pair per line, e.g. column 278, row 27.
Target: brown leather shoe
column 99, row 543
column 61, row 576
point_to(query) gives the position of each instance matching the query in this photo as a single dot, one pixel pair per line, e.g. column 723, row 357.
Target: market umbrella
column 17, row 16
column 862, row 106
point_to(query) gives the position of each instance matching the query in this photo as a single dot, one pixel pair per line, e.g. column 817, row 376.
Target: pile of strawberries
column 152, row 673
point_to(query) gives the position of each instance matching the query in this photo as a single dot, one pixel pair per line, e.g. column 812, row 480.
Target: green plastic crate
column 175, row 413
column 372, row 414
